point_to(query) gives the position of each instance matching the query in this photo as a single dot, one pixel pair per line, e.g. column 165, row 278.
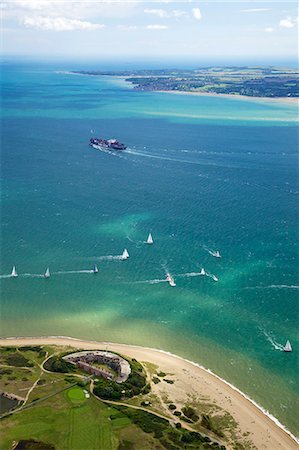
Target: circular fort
column 88, row 361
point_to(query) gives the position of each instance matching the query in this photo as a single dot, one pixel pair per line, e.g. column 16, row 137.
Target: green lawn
column 76, row 394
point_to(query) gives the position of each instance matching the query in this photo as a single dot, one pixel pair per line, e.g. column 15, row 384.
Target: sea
column 202, row 174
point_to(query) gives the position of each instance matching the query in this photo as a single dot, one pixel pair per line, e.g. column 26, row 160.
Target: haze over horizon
column 151, row 30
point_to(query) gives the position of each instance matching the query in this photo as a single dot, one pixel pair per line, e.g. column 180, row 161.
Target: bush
column 82, row 383
column 172, row 406
column 177, row 413
column 147, row 422
column 30, row 348
column 168, row 381
column 4, row 371
column 190, row 413
column 18, row 360
column 57, row 364
column 185, row 419
column 156, row 380
column 161, row 374
column 33, row 445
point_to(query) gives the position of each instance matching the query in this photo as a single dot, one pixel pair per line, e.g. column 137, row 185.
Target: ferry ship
column 106, row 144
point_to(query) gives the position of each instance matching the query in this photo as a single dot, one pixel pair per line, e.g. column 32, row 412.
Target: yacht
column 14, row 272
column 95, row 269
column 47, row 273
column 150, row 239
column 170, row 280
column 287, row 347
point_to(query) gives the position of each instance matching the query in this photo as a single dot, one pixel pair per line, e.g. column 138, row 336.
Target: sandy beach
column 287, row 100
column 190, row 380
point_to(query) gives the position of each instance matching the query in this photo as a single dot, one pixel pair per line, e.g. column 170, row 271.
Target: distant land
column 269, row 82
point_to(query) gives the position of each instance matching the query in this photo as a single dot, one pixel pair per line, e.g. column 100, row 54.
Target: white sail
column 287, row 347
column 170, row 280
column 47, row 273
column 202, row 272
column 14, row 272
column 95, row 269
column 214, row 253
column 125, row 254
column 150, row 239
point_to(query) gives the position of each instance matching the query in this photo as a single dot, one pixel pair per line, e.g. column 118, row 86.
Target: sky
column 161, row 29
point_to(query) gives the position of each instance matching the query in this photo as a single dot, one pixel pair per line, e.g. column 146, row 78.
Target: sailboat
column 14, row 272
column 216, row 253
column 125, row 254
column 202, row 272
column 150, row 239
column 287, row 347
column 47, row 273
column 214, row 277
column 170, row 280
column 95, row 269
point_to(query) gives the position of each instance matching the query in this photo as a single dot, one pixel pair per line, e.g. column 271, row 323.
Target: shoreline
column 286, row 100
column 237, row 399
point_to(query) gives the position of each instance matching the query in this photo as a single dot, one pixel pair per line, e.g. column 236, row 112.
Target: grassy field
column 59, row 413
column 70, row 421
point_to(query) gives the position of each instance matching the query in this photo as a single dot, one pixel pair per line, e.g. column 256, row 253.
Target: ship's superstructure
column 106, row 144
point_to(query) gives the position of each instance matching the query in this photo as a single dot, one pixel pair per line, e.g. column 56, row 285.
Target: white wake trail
column 272, row 341
column 65, row 272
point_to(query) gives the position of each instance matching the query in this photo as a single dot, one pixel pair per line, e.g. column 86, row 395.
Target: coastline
column 265, row 430
column 286, row 100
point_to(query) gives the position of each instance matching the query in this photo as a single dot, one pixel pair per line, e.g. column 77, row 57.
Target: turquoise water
column 200, row 173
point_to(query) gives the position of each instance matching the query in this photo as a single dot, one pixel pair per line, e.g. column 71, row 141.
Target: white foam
column 259, row 407
column 272, row 341
column 189, row 274
column 109, row 258
column 65, row 272
column 274, row 286
column 156, row 281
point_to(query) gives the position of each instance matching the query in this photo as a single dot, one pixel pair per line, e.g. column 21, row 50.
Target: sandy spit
column 288, row 100
column 264, row 430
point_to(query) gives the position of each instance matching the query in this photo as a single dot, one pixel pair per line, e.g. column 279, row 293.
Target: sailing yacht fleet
column 169, row 278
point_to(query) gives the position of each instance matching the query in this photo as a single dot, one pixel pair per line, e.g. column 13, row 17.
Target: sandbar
column 287, row 100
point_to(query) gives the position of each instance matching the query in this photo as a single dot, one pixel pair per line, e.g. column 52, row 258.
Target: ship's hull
column 105, row 148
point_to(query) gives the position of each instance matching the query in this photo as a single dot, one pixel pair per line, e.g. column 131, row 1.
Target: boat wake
column 32, row 275
column 274, row 286
column 211, row 275
column 189, row 274
column 108, row 258
column 156, row 281
column 65, row 272
column 214, row 253
column 272, row 341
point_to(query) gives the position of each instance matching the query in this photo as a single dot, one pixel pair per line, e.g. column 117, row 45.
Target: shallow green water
column 200, row 173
